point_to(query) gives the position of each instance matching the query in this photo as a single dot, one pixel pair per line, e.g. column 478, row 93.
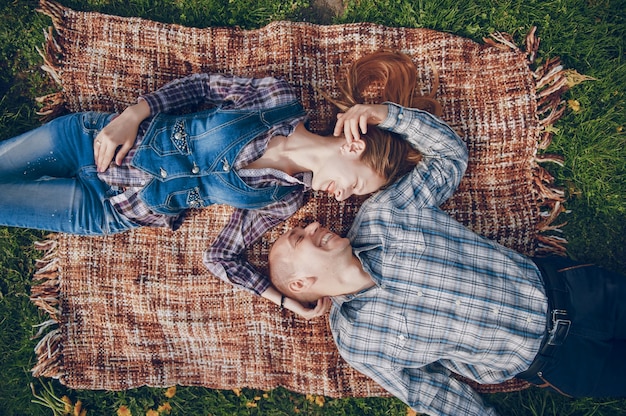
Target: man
column 416, row 296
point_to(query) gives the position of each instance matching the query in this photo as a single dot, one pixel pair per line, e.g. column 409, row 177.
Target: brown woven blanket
column 140, row 309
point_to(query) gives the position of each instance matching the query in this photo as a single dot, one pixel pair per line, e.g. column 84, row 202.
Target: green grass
column 588, row 35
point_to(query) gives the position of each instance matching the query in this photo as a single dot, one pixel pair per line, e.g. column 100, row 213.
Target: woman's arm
column 227, row 91
column 354, row 122
column 225, row 257
column 120, row 133
column 186, row 94
column 444, row 156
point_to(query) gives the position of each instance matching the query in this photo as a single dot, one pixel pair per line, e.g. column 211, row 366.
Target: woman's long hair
column 387, row 76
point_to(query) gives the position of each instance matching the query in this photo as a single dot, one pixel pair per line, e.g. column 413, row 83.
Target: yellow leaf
column 237, row 392
column 265, row 395
column 574, row 105
column 77, row 407
column 319, row 400
column 251, row 404
column 170, row 392
column 152, row 412
column 165, row 408
column 83, row 413
column 410, row 412
column 67, row 405
column 310, row 398
column 124, row 411
column 574, row 78
column 552, row 129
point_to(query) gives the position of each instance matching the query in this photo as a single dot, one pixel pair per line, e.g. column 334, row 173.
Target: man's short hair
column 282, row 271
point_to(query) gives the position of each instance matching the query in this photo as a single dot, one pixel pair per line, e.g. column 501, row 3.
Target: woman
column 250, row 149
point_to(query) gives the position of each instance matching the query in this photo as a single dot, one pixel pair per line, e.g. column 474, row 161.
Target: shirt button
column 420, row 293
column 401, row 337
column 529, row 319
column 458, row 303
column 400, row 116
column 495, row 311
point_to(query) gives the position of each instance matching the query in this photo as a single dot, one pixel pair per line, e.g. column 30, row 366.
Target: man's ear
column 302, row 284
column 355, row 148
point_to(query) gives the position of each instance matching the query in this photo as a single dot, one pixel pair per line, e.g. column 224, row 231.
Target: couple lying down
column 413, row 295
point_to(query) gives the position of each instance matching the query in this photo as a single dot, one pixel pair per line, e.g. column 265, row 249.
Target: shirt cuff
column 395, row 115
column 154, row 102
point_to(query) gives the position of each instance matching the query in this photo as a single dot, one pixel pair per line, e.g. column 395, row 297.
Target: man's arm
column 430, row 390
column 444, row 156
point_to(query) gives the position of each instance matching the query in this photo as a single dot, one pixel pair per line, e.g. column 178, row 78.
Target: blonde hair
column 387, row 76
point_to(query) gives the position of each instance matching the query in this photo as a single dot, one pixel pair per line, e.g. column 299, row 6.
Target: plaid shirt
column 223, row 258
column 445, row 299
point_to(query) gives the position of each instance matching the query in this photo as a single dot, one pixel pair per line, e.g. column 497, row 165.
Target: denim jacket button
column 163, row 173
column 195, row 169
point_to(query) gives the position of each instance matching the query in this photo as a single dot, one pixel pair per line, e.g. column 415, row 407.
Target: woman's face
column 346, row 175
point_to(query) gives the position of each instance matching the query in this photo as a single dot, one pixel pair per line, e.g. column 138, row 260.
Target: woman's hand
column 322, row 306
column 120, row 133
column 354, row 122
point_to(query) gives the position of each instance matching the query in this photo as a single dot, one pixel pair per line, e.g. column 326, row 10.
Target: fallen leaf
column 124, row 411
column 574, row 105
column 574, row 78
column 170, row 392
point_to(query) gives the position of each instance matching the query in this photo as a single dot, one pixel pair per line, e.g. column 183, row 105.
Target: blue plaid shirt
column 445, row 299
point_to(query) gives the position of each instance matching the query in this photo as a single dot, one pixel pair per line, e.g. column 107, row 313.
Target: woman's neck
column 299, row 152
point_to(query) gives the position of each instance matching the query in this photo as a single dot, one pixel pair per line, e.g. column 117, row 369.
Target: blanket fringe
column 52, row 105
column 551, row 82
column 52, row 9
column 45, row 293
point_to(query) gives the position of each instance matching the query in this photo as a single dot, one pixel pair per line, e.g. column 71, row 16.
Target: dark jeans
column 591, row 362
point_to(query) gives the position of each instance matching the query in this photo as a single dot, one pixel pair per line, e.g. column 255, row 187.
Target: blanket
column 140, row 309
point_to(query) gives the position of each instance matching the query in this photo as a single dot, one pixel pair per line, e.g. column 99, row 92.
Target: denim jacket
column 190, row 158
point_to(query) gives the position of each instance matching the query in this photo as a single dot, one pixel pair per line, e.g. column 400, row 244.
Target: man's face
column 345, row 175
column 312, row 250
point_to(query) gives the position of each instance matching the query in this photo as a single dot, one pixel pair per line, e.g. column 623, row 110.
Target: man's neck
column 354, row 278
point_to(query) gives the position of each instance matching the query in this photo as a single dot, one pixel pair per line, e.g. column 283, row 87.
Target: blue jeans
column 48, row 179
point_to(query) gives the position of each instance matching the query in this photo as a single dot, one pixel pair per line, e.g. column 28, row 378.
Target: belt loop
column 560, row 327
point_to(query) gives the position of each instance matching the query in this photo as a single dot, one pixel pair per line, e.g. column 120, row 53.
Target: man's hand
column 120, row 133
column 322, row 306
column 354, row 122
